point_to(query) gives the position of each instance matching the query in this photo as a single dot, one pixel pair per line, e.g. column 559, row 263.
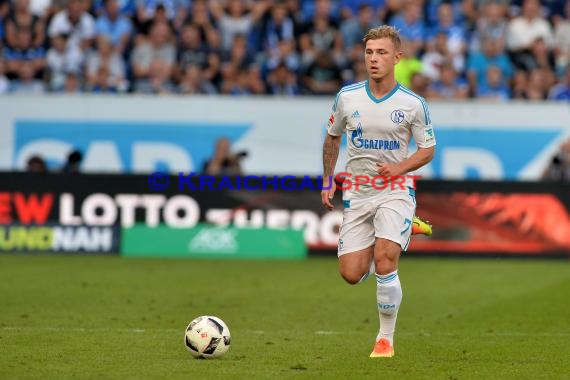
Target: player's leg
column 388, row 294
column 356, row 266
column 393, row 231
column 356, row 244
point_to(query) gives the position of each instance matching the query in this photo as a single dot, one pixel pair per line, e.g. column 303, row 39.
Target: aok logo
column 214, row 239
column 386, row 306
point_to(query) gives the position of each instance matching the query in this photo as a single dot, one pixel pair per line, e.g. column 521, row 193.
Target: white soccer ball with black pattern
column 207, row 337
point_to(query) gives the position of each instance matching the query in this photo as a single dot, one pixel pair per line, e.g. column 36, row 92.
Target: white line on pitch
column 318, row 332
column 81, row 329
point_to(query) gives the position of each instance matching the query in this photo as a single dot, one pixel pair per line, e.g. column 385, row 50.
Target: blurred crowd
column 491, row 49
column 37, row 164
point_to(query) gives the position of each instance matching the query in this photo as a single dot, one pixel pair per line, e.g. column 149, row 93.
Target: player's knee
column 350, row 276
column 386, row 256
column 385, row 264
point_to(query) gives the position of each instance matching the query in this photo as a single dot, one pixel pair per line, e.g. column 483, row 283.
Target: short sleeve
column 422, row 128
column 336, row 124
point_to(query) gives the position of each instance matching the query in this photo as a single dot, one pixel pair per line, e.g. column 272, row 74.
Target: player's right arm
column 331, row 148
column 335, row 127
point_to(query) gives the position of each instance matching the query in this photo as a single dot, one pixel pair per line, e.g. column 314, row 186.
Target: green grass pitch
column 87, row 317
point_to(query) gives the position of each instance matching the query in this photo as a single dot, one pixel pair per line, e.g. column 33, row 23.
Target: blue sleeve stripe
column 355, row 86
column 426, row 112
column 345, row 89
column 422, row 101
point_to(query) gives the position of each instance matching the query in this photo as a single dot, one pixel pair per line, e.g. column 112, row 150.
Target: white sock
column 388, row 297
column 371, row 270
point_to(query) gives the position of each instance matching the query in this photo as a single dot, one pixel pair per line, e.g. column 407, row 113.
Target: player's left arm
column 420, row 158
column 424, row 136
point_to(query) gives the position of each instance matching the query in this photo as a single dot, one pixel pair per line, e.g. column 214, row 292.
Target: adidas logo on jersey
column 355, row 115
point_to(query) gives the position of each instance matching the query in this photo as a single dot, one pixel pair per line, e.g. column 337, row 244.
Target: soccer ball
column 207, row 337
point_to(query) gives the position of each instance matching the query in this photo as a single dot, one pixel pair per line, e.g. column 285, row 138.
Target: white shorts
column 378, row 216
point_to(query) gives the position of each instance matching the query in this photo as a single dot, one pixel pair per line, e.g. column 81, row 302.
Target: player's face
column 380, row 56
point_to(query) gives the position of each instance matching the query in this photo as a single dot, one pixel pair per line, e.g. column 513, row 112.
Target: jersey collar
column 385, row 97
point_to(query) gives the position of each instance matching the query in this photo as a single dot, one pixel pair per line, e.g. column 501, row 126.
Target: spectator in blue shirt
column 24, row 52
column 494, row 87
column 491, row 55
column 328, row 8
column 4, row 8
column 432, row 10
column 349, row 8
column 456, row 35
column 114, row 26
column 449, row 86
column 127, row 8
column 353, row 29
column 279, row 27
column 410, row 24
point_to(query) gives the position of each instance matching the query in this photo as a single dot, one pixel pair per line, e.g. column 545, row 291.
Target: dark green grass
column 109, row 318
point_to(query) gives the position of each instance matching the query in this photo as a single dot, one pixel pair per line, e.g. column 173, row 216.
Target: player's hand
column 388, row 170
column 327, row 193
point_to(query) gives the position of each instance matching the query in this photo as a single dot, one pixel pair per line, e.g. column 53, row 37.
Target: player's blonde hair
column 384, row 31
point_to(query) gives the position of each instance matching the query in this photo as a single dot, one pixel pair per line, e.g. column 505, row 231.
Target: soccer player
column 379, row 117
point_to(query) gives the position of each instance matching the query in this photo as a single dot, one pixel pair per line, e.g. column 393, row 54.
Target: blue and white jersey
column 379, row 130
